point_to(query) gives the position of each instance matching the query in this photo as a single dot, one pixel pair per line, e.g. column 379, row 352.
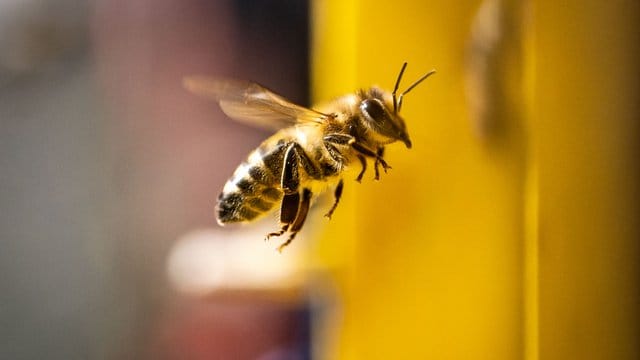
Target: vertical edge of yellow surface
column 530, row 256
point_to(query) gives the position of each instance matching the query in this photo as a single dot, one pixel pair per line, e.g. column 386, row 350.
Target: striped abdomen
column 254, row 188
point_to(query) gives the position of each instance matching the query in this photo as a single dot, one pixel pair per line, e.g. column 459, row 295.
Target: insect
column 310, row 151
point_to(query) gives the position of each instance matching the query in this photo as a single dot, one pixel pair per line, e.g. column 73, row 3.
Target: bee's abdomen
column 254, row 188
column 243, row 206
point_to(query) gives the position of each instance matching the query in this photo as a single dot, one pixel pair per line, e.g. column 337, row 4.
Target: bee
column 310, row 150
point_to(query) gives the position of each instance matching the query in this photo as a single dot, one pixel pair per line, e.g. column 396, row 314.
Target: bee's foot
column 289, row 240
column 270, row 235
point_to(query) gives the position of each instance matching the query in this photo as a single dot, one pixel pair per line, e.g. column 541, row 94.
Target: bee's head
column 386, row 125
column 382, row 115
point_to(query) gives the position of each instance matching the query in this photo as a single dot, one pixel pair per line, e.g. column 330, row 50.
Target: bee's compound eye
column 373, row 109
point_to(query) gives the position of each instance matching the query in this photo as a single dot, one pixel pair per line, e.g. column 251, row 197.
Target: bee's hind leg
column 303, row 210
column 294, row 209
column 289, row 181
column 288, row 211
column 337, row 195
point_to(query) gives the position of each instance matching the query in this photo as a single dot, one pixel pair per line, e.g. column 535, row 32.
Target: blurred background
column 509, row 230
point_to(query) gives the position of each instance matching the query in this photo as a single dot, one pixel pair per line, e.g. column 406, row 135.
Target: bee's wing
column 253, row 103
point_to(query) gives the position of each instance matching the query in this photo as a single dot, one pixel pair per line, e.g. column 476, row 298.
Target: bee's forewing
column 249, row 102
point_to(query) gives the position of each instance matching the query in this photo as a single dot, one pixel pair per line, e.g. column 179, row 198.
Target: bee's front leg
column 377, row 155
column 379, row 161
column 343, row 140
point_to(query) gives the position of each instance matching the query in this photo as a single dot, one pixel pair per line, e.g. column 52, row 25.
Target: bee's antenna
column 395, row 88
column 399, row 105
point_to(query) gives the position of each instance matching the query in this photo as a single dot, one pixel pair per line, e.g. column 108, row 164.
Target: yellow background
column 501, row 236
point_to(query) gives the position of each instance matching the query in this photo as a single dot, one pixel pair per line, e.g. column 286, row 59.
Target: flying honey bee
column 308, row 153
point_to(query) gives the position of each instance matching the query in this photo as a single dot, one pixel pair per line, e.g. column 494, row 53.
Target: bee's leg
column 289, row 181
column 380, row 154
column 288, row 211
column 294, row 209
column 304, row 162
column 282, row 230
column 340, row 139
column 363, row 162
column 329, row 144
column 345, row 139
column 303, row 210
column 337, row 194
column 379, row 160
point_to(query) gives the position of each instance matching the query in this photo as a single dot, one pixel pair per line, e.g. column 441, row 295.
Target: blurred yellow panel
column 587, row 118
column 433, row 260
column 506, row 232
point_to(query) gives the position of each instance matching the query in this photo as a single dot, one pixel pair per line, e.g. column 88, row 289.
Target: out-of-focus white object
column 207, row 260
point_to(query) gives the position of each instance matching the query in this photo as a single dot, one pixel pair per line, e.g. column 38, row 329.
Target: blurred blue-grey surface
column 105, row 160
